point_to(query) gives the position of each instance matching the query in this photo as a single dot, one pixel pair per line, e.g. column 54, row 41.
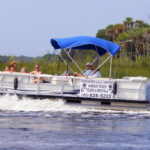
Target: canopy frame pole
column 99, row 61
column 110, row 67
column 66, row 63
column 58, row 65
column 98, row 56
column 102, row 63
column 95, row 60
column 69, row 51
column 73, row 61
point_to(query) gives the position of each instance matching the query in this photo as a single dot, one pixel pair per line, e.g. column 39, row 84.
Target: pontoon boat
column 128, row 92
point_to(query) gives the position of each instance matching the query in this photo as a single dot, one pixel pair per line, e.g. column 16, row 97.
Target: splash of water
column 13, row 103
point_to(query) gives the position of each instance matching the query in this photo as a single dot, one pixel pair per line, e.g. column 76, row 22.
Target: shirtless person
column 36, row 72
column 13, row 67
column 7, row 69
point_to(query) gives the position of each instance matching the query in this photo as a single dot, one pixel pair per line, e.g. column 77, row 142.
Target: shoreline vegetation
column 132, row 60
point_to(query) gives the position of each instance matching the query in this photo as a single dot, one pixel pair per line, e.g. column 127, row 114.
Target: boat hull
column 91, row 92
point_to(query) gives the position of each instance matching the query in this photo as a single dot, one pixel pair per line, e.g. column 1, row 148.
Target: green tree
column 129, row 22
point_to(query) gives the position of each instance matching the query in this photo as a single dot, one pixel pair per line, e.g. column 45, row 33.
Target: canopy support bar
column 74, row 61
column 102, row 63
column 110, row 68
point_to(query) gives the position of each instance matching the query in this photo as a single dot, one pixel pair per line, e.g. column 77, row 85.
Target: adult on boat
column 89, row 72
column 7, row 69
column 13, row 67
column 36, row 72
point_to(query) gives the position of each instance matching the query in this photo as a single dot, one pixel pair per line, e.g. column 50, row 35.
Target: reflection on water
column 65, row 127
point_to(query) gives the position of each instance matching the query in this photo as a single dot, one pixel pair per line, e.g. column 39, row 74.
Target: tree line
column 133, row 36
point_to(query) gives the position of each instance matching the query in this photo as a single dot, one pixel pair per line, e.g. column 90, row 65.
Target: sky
column 26, row 26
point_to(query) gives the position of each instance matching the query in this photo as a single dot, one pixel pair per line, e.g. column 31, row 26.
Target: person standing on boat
column 36, row 72
column 89, row 72
column 13, row 67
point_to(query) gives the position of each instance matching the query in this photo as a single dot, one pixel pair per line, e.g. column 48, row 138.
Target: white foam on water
column 13, row 103
column 8, row 102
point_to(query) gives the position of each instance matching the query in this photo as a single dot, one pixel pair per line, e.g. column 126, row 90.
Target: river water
column 47, row 125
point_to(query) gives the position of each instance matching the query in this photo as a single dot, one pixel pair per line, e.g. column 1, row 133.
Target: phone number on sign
column 105, row 96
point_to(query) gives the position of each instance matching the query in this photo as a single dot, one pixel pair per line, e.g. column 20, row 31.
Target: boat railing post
column 61, row 87
column 38, row 84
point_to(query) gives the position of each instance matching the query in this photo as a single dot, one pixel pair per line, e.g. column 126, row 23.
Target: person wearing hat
column 36, row 72
column 89, row 72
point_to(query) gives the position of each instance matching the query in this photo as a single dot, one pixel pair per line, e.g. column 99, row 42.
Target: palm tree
column 138, row 23
column 129, row 22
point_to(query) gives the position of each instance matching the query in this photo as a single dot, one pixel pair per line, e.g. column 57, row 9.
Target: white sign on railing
column 95, row 88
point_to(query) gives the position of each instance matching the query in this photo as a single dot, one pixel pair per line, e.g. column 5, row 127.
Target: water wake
column 13, row 103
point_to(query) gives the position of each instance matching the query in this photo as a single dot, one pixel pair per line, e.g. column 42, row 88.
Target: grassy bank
column 121, row 67
column 126, row 67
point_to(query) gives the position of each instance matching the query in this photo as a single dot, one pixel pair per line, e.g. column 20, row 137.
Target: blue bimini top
column 87, row 43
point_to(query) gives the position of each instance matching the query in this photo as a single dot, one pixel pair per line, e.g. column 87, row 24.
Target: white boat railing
column 132, row 88
column 51, row 84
